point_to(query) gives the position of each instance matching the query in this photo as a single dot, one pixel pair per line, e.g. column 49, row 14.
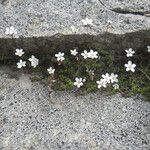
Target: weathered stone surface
column 32, row 118
column 40, row 23
column 47, row 18
column 128, row 6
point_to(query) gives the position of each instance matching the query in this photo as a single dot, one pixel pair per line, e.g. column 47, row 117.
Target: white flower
column 53, row 81
column 19, row 52
column 109, row 21
column 116, row 86
column 79, row 82
column 87, row 22
column 113, row 78
column 101, row 83
column 51, row 70
column 60, row 56
column 73, row 29
column 93, row 54
column 21, row 64
column 106, row 77
column 74, row 52
column 130, row 66
column 34, row 61
column 10, row 31
column 85, row 54
column 84, row 79
column 130, row 52
column 91, row 72
column 148, row 47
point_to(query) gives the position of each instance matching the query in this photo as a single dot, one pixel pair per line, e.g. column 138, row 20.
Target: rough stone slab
column 47, row 18
column 42, row 24
column 30, row 118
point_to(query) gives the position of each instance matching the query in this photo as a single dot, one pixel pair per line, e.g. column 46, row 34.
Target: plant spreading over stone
column 90, row 69
column 83, row 70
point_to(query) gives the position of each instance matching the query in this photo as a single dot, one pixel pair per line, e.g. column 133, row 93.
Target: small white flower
column 116, row 86
column 87, row 22
column 148, row 47
column 84, row 79
column 113, row 78
column 85, row 54
column 51, row 70
column 91, row 72
column 53, row 81
column 74, row 52
column 130, row 52
column 19, row 52
column 78, row 82
column 60, row 56
column 21, row 64
column 106, row 77
column 10, row 31
column 101, row 83
column 109, row 21
column 34, row 61
column 130, row 66
column 73, row 29
column 93, row 54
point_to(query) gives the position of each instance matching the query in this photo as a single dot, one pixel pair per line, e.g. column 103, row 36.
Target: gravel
column 31, row 118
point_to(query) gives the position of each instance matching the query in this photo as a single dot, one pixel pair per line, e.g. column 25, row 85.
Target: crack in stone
column 103, row 4
column 104, row 40
column 4, row 2
column 124, row 11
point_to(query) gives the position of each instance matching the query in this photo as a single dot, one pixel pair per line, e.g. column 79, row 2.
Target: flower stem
column 121, row 91
column 148, row 77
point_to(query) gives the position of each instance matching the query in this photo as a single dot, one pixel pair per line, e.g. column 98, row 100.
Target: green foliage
column 130, row 83
column 109, row 61
column 72, row 68
column 135, row 83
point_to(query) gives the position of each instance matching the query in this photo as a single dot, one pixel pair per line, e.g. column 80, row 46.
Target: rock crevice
column 126, row 10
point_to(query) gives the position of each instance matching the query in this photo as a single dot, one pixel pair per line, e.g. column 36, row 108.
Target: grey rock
column 127, row 6
column 47, row 24
column 47, row 18
column 35, row 119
